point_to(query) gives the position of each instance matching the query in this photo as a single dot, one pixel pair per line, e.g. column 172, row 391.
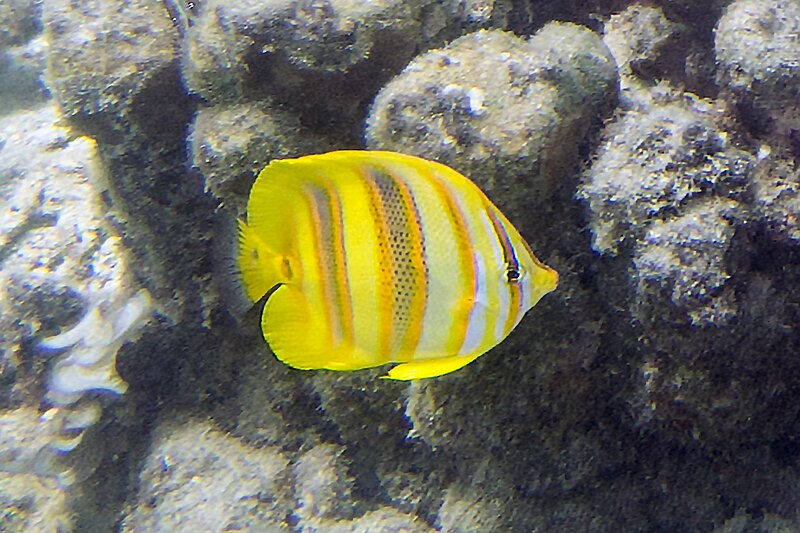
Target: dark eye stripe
column 512, row 264
column 509, row 256
column 326, row 213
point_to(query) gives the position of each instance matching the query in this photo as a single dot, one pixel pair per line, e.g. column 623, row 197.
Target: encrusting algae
column 372, row 257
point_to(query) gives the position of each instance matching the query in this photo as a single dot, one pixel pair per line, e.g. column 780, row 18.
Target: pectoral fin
column 261, row 267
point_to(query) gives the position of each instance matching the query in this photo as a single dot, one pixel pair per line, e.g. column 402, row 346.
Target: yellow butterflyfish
column 370, row 257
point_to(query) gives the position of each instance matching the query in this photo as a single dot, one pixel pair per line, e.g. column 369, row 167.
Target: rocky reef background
column 648, row 151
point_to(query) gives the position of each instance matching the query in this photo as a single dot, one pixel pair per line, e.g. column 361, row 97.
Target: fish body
column 373, row 257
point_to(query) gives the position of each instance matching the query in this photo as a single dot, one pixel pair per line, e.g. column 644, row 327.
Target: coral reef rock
column 497, row 107
column 197, row 478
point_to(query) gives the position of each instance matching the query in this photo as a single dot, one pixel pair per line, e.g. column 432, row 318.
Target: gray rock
column 653, row 161
column 637, row 37
column 229, row 47
column 382, row 520
column 228, row 40
column 196, row 478
column 231, row 144
column 103, row 55
column 679, row 266
column 777, row 195
column 506, row 112
column 21, row 76
column 323, row 486
column 30, row 502
column 19, row 21
column 757, row 48
column 758, row 54
column 471, row 508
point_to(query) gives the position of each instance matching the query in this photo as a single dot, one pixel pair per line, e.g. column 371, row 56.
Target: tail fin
column 261, row 268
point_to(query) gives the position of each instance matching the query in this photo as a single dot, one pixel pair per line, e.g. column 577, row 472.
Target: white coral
column 90, row 363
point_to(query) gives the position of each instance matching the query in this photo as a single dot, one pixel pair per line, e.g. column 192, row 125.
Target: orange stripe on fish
column 466, row 262
column 343, row 295
column 329, row 238
column 320, row 225
column 512, row 271
column 386, row 286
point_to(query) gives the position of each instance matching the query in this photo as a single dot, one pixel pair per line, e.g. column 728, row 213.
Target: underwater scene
column 400, row 266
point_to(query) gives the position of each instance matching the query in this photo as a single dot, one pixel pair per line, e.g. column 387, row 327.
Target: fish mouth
column 544, row 280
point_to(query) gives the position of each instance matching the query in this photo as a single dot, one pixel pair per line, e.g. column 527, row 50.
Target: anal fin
column 429, row 368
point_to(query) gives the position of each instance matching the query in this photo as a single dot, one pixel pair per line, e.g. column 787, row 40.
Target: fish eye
column 513, row 274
